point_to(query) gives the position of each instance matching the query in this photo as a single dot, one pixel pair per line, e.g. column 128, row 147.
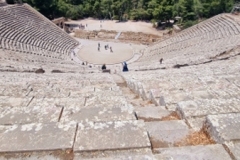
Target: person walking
column 104, row 67
column 161, row 60
column 125, row 67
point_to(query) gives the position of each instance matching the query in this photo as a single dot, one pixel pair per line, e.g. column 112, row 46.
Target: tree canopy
column 158, row 10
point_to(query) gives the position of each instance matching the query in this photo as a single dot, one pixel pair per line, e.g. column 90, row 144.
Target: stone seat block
column 58, row 102
column 116, row 135
column 173, row 98
column 6, row 101
column 95, row 92
column 36, row 137
column 24, row 115
column 205, row 107
column 165, row 134
column 15, row 91
column 97, row 114
column 106, row 101
column 123, row 157
column 234, row 149
column 151, row 113
column 201, row 152
column 224, row 127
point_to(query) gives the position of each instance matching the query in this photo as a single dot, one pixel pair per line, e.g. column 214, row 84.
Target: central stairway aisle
column 170, row 136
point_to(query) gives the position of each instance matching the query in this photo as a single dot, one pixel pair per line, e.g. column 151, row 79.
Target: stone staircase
column 170, row 135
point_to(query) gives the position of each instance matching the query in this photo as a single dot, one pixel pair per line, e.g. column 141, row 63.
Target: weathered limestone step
column 40, row 155
column 163, row 98
column 205, row 107
column 133, row 154
column 151, row 113
column 106, row 101
column 196, row 123
column 24, row 115
column 98, row 114
column 15, row 90
column 166, row 133
column 100, row 93
column 6, row 101
column 200, row 152
column 234, row 149
column 118, row 135
column 41, row 93
column 127, row 157
column 36, row 137
column 224, row 127
column 58, row 102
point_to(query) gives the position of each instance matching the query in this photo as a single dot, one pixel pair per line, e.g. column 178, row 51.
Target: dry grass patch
column 172, row 116
column 196, row 138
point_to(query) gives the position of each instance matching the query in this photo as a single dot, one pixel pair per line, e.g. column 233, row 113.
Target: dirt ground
column 139, row 26
column 134, row 37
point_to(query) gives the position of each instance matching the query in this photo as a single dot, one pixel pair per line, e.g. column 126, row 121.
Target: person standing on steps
column 125, row 67
column 161, row 60
column 104, row 67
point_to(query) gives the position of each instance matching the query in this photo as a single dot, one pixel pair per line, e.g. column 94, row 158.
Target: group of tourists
column 124, row 64
column 106, row 47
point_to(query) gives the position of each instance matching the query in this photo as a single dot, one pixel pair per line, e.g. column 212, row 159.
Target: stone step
column 58, row 102
column 151, row 113
column 36, row 139
column 111, row 136
column 234, row 149
column 25, row 115
column 206, row 107
column 137, row 154
column 98, row 114
column 215, row 151
column 6, row 101
column 106, row 101
column 165, row 134
column 224, row 127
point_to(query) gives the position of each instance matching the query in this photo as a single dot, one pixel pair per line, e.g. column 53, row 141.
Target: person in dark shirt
column 161, row 60
column 125, row 67
column 104, row 67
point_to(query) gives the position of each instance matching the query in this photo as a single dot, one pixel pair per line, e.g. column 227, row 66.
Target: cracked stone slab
column 40, row 155
column 117, row 135
column 97, row 114
column 151, row 113
column 201, row 152
column 36, row 137
column 133, row 154
column 106, row 101
column 203, row 94
column 174, row 97
column 165, row 134
column 98, row 93
column 196, row 123
column 24, row 115
column 6, row 101
column 224, row 127
column 41, row 93
column 206, row 107
column 16, row 91
column 234, row 149
column 58, row 102
column 126, row 157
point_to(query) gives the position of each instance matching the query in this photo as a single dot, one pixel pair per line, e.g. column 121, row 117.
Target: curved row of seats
column 207, row 39
column 24, row 29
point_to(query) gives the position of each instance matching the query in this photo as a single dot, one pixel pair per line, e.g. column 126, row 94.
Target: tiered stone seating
column 70, row 115
column 197, row 44
column 206, row 96
column 24, row 29
column 83, row 109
